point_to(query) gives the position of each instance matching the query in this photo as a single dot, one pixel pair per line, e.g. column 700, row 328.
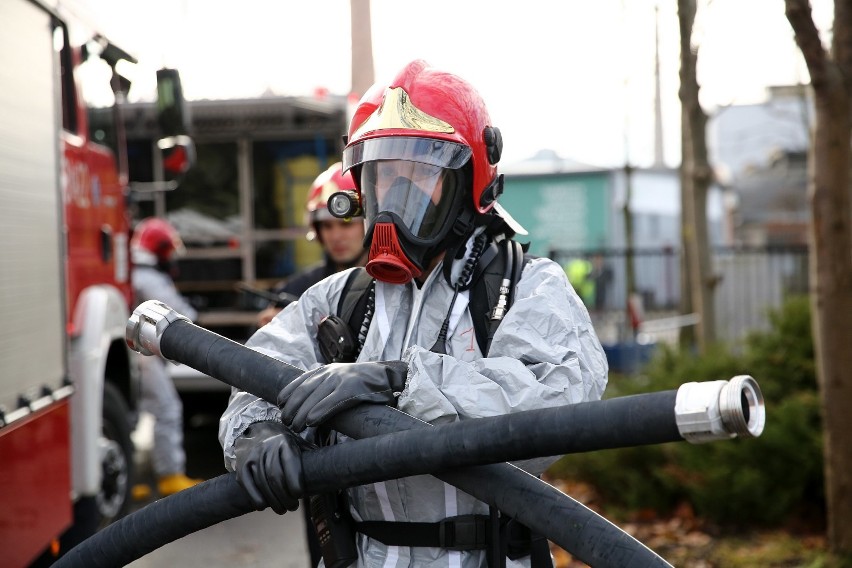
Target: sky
column 572, row 76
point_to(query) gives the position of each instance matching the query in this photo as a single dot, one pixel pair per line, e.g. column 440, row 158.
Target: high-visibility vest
column 579, row 273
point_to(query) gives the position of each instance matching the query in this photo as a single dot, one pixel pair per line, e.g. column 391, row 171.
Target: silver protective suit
column 159, row 397
column 544, row 354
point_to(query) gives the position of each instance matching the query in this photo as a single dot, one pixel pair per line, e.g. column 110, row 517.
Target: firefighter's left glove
column 315, row 396
column 269, row 466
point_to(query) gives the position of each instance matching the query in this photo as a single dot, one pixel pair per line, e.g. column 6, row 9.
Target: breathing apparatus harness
column 491, row 271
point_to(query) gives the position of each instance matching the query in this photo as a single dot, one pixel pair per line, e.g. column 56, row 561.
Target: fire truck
column 68, row 382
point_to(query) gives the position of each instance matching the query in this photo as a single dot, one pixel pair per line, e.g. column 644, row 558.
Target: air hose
column 406, row 449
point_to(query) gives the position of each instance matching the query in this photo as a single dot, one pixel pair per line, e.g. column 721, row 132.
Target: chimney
column 659, row 160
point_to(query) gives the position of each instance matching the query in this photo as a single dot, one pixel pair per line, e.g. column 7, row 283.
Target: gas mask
column 411, row 209
column 413, row 192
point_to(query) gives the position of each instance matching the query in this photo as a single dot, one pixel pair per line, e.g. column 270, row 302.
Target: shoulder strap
column 485, row 298
column 353, row 295
column 355, row 303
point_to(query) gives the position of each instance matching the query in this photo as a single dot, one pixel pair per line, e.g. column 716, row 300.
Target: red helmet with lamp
column 329, row 182
column 423, row 154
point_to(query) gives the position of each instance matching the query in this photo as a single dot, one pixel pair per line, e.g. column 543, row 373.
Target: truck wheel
column 116, row 451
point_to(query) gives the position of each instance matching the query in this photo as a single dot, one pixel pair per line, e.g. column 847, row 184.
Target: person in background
column 153, row 247
column 342, row 240
column 579, row 271
column 423, row 153
column 602, row 276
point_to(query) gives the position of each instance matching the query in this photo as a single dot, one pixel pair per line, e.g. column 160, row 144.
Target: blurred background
column 587, row 97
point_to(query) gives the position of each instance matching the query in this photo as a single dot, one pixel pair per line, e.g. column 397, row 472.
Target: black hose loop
column 587, row 535
column 500, row 485
column 160, row 523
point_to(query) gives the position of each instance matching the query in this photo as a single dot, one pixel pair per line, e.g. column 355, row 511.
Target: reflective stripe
column 417, row 296
column 382, row 314
column 451, row 506
column 392, row 557
column 384, row 501
column 459, row 308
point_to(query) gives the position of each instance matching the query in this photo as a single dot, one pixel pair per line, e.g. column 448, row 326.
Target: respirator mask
column 413, row 193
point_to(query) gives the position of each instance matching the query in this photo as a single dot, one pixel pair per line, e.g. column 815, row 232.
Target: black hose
column 544, row 509
column 627, row 421
column 500, row 485
column 160, row 523
column 588, row 426
column 226, row 360
column 411, row 452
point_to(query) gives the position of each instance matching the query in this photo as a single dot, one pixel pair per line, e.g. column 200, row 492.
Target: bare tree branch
column 807, row 37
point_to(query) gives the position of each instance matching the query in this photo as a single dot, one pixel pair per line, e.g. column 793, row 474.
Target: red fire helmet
column 330, row 181
column 157, row 236
column 426, row 103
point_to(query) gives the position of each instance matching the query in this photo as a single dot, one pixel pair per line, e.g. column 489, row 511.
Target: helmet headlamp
column 344, row 204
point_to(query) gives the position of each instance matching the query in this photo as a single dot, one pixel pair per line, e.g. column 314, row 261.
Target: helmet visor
column 424, row 150
column 420, row 195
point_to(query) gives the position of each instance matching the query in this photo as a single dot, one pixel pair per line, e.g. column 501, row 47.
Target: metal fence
column 752, row 280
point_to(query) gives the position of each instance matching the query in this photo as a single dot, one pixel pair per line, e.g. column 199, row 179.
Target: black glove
column 315, row 396
column 269, row 466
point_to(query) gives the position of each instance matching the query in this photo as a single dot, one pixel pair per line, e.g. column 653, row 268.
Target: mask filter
column 388, row 262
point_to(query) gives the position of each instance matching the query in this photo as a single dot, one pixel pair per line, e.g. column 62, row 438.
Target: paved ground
column 254, row 540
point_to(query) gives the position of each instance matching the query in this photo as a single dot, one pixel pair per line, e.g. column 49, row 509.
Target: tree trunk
column 696, row 176
column 629, row 256
column 831, row 301
column 687, row 335
column 831, row 251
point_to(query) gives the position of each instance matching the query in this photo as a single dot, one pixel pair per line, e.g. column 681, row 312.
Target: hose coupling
column 146, row 325
column 719, row 410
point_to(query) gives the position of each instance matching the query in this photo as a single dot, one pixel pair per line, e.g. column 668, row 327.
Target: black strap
column 485, row 290
column 495, row 554
column 465, row 532
column 353, row 298
column 540, row 552
column 518, row 263
column 518, row 541
column 489, row 254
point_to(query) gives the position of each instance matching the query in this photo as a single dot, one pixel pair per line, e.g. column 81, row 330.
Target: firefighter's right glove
column 315, row 396
column 269, row 466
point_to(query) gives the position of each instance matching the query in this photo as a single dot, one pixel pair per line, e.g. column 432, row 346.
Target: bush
column 759, row 481
column 782, row 359
column 766, row 480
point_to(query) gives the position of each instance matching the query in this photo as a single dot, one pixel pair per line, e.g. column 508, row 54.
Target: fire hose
column 393, row 444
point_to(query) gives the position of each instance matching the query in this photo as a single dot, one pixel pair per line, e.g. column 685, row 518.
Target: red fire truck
column 67, row 380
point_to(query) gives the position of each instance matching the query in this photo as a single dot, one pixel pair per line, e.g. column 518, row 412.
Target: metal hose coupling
column 146, row 325
column 719, row 410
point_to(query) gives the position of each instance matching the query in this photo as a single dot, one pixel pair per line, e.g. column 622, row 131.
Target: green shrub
column 627, row 479
column 782, row 359
column 765, row 480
